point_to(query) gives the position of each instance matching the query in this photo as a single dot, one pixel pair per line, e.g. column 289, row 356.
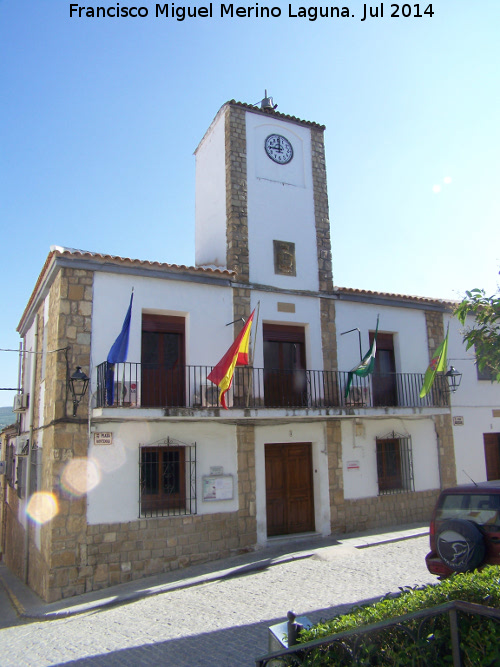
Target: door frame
column 291, row 525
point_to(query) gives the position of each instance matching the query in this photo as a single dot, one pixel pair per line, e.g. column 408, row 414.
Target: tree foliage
column 484, row 335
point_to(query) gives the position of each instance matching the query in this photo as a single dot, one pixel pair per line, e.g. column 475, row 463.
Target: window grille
column 9, row 465
column 36, row 470
column 167, row 479
column 394, row 464
column 21, row 476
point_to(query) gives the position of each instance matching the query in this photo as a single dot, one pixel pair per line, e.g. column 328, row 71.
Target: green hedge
column 480, row 637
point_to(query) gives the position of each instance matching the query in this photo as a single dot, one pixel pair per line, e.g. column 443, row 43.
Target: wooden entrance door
column 289, row 488
column 384, row 377
column 162, row 361
column 284, row 366
column 492, row 455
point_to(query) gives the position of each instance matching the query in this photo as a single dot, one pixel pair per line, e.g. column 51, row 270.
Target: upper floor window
column 285, row 380
column 384, row 385
column 163, row 359
column 485, row 374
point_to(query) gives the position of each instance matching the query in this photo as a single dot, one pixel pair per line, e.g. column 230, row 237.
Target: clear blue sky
column 100, row 117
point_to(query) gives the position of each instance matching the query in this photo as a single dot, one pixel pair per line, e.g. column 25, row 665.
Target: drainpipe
column 30, row 444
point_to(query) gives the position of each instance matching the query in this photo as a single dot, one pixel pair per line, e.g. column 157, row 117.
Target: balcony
column 135, row 385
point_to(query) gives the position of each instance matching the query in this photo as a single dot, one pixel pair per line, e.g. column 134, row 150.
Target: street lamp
column 78, row 384
column 454, row 378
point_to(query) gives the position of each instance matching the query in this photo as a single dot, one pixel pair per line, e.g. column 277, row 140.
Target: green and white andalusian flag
column 366, row 366
column 438, row 363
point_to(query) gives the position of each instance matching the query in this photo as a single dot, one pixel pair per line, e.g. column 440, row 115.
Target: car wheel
column 460, row 544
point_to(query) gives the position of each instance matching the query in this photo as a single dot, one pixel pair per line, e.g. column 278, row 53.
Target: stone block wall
column 122, row 552
column 443, row 424
column 446, row 445
column 389, row 510
column 321, row 214
column 247, row 486
column 56, row 563
column 14, row 534
column 333, row 435
column 236, row 193
column 328, row 335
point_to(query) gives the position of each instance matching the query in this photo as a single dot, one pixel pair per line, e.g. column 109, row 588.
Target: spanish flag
column 237, row 355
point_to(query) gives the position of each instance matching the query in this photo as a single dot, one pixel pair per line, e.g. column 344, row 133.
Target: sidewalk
column 281, row 550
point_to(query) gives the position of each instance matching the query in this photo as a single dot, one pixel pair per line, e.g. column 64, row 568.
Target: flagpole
column 252, row 353
column 123, row 391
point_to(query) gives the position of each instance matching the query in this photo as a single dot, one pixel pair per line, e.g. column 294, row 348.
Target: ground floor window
column 167, row 478
column 394, row 464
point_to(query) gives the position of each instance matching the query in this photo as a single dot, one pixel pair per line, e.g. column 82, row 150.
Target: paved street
column 220, row 623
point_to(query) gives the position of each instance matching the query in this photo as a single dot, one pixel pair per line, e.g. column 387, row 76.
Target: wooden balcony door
column 162, row 361
column 284, row 366
column 289, row 488
column 384, row 379
column 492, row 455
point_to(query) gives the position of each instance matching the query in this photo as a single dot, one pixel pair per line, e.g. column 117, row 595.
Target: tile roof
column 116, row 259
column 348, row 291
column 102, row 258
column 278, row 114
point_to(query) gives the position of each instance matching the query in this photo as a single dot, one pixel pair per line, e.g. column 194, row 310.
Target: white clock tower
column 261, row 198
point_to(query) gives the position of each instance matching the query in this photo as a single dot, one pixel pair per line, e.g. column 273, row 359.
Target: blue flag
column 118, row 354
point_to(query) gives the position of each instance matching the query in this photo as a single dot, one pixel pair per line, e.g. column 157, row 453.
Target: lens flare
column 436, row 188
column 42, row 507
column 110, row 459
column 80, row 476
column 447, row 180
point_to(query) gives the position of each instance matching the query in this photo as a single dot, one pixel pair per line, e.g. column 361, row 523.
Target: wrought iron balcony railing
column 154, row 385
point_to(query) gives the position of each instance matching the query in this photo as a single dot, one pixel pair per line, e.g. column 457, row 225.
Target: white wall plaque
column 217, row 487
column 458, row 421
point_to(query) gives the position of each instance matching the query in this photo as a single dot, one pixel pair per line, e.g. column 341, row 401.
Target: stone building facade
column 239, row 471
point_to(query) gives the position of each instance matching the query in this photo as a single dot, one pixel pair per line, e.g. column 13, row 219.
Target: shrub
column 417, row 641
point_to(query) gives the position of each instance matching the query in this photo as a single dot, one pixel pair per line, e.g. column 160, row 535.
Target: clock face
column 278, row 148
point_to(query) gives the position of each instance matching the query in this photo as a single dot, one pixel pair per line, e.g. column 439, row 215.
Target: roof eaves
column 422, row 300
column 276, row 114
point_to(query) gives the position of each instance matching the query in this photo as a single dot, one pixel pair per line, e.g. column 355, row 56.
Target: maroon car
column 465, row 529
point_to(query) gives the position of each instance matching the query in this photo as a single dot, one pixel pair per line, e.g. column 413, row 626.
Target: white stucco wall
column 210, row 197
column 359, row 446
column 307, row 314
column 290, row 433
column 280, row 204
column 206, row 309
column 407, row 326
column 115, row 498
column 475, row 403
